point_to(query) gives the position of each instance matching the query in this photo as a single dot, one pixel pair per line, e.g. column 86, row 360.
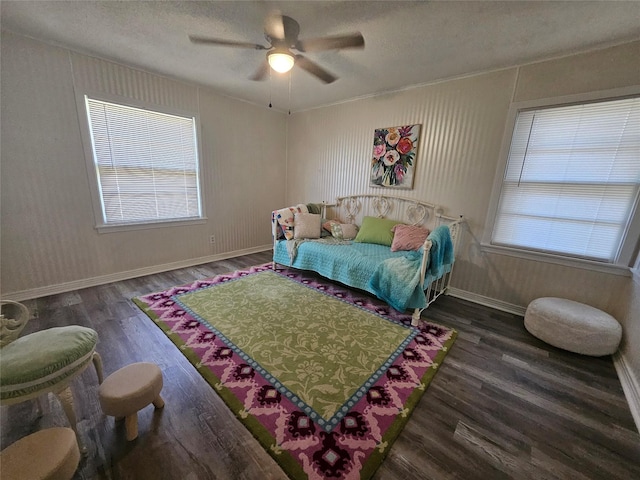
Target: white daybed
column 403, row 279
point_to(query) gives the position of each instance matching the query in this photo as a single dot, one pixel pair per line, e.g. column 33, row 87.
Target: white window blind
column 146, row 163
column 572, row 180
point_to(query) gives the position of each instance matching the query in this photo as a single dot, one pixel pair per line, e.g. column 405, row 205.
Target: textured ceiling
column 407, row 43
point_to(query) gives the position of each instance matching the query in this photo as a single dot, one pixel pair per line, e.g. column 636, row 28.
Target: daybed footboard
column 437, row 286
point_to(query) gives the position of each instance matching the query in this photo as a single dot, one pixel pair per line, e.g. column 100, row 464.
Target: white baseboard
column 486, row 301
column 630, row 386
column 116, row 277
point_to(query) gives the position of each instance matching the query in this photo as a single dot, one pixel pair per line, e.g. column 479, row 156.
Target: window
column 146, row 164
column 571, row 182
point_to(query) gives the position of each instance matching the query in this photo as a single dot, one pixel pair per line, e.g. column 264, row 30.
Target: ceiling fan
column 282, row 34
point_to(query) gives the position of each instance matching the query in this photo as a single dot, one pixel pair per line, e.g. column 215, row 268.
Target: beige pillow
column 307, row 225
column 344, row 231
column 328, row 225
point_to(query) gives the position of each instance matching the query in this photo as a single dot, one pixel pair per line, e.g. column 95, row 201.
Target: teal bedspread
column 358, row 265
column 441, row 256
column 397, row 281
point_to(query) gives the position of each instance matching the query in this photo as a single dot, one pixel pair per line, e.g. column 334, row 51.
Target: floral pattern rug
column 324, row 377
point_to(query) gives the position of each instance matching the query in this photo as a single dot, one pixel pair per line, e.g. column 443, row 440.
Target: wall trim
column 630, row 385
column 126, row 275
column 487, row 301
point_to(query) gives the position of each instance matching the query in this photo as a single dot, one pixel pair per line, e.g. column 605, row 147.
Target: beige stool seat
column 573, row 326
column 130, row 389
column 44, row 362
column 52, row 454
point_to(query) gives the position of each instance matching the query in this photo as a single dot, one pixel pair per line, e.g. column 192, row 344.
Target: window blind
column 571, row 180
column 146, row 163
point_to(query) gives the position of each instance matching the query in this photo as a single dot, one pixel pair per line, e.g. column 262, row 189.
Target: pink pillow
column 408, row 237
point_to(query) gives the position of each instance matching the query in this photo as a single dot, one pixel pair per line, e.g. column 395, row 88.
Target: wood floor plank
column 503, row 405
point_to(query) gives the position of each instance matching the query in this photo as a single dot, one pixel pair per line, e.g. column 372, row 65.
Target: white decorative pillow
column 329, row 224
column 286, row 219
column 344, row 231
column 307, row 225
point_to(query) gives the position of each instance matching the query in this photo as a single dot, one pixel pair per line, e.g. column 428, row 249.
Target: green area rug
column 325, row 378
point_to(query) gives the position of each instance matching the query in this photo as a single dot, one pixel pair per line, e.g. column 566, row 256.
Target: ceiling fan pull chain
column 290, row 75
column 270, row 86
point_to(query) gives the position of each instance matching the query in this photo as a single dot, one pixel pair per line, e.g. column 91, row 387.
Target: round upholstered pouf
column 50, row 454
column 35, row 363
column 573, row 326
column 130, row 389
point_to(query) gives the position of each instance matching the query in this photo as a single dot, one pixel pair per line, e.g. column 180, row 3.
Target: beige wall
column 610, row 68
column 463, row 122
column 47, row 224
column 47, row 231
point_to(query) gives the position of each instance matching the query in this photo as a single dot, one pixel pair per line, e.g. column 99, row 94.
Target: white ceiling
column 407, row 43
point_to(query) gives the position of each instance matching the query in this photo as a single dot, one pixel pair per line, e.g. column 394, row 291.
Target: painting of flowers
column 394, row 156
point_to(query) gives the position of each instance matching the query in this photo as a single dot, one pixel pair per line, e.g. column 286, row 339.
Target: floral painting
column 394, row 156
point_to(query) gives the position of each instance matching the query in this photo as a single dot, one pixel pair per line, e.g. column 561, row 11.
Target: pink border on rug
column 358, row 443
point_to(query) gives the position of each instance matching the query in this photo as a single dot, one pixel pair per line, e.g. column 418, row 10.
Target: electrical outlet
column 212, row 239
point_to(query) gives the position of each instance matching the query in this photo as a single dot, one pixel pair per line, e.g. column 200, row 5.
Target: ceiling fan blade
column 274, row 26
column 353, row 40
column 315, row 69
column 281, row 29
column 291, row 30
column 261, row 72
column 227, row 43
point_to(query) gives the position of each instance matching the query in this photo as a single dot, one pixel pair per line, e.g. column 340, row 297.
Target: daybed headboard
column 352, row 208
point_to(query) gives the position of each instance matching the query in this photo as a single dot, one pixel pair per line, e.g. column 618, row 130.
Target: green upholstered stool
column 46, row 361
column 50, row 454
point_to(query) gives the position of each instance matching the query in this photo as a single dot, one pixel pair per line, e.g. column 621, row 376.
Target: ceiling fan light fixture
column 280, row 61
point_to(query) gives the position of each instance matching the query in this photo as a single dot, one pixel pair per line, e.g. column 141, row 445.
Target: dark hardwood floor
column 503, row 405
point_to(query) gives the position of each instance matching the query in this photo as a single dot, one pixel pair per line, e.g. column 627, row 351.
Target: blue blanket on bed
column 397, row 281
column 441, row 254
column 391, row 276
column 351, row 264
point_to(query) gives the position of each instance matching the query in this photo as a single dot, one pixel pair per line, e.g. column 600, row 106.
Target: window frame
column 628, row 254
column 96, row 198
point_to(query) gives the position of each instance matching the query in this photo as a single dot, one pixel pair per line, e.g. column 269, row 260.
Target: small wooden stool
column 50, row 454
column 130, row 389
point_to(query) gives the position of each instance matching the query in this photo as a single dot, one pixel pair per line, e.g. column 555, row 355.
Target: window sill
column 125, row 227
column 636, row 275
column 567, row 261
